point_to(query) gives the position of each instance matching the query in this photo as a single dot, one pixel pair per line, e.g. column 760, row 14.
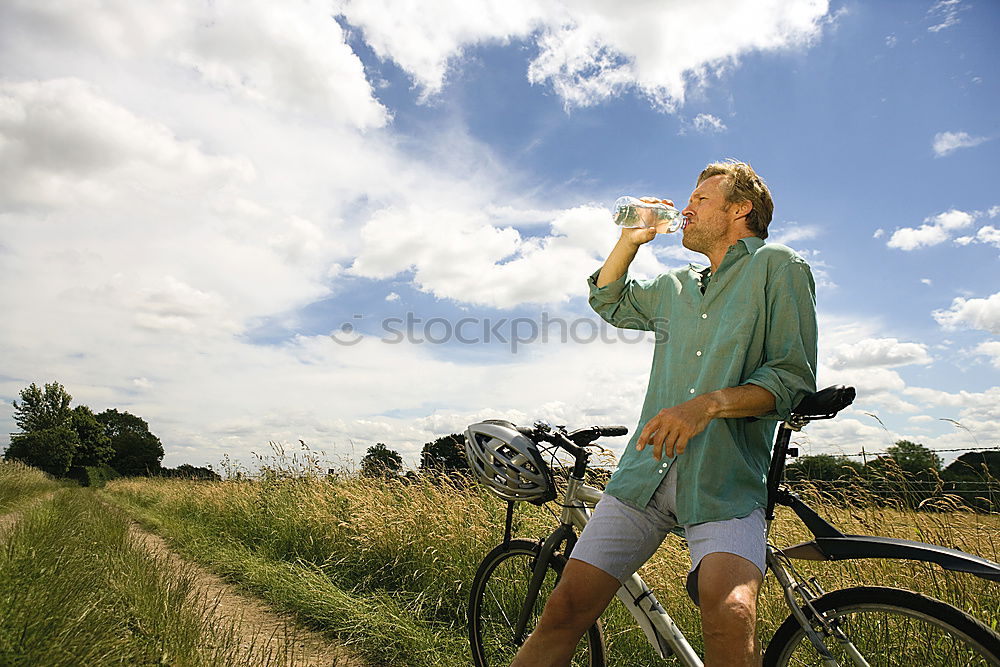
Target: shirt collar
column 751, row 243
column 747, row 245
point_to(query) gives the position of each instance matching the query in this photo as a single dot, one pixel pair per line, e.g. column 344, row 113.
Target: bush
column 188, row 471
column 95, row 476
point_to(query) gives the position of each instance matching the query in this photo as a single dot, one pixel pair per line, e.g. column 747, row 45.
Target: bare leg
column 727, row 587
column 579, row 599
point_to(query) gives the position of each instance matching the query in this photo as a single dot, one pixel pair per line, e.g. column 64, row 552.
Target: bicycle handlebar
column 574, row 440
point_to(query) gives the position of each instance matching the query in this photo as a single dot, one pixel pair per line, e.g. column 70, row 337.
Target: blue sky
column 195, row 195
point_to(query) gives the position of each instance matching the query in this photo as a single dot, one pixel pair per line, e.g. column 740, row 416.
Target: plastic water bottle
column 633, row 212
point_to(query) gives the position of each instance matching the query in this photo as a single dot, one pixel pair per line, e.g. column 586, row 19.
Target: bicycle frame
column 659, row 628
column 662, row 632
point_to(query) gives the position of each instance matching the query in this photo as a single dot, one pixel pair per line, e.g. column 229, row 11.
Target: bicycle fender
column 845, row 547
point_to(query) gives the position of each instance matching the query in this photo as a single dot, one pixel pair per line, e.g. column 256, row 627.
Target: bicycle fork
column 559, row 535
column 793, row 584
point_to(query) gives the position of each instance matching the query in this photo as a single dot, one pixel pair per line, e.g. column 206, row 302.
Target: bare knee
column 562, row 613
column 737, row 609
column 581, row 596
column 727, row 588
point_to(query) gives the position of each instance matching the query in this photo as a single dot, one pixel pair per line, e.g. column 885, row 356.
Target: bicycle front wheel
column 497, row 597
column 889, row 627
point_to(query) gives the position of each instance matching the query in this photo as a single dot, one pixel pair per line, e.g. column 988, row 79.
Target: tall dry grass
column 386, row 565
column 19, row 483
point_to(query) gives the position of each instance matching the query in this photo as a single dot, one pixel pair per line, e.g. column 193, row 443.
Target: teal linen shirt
column 754, row 324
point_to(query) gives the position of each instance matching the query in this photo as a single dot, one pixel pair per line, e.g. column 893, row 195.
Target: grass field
column 20, row 483
column 77, row 589
column 385, row 566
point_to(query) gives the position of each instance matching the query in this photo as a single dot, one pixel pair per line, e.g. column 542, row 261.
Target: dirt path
column 260, row 629
column 258, row 626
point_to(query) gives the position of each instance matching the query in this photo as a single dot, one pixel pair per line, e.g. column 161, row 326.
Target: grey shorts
column 619, row 538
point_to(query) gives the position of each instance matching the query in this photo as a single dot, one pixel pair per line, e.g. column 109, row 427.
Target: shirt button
column 664, row 465
column 690, row 391
column 704, row 316
column 698, row 353
column 660, row 471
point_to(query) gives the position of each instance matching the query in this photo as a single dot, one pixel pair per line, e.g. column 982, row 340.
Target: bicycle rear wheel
column 890, row 628
column 497, row 596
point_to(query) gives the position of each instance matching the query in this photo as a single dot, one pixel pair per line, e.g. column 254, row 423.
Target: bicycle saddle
column 825, row 403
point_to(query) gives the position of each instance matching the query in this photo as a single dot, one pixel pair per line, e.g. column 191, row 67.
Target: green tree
column 381, row 461
column 446, row 454
column 95, row 446
column 42, row 408
column 908, row 474
column 912, row 458
column 823, row 467
column 136, row 450
column 48, row 449
column 975, row 478
column 974, row 465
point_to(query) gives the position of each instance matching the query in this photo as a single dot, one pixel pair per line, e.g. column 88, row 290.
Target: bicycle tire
column 496, row 599
column 891, row 628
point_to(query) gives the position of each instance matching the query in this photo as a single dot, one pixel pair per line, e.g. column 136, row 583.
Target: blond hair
column 743, row 184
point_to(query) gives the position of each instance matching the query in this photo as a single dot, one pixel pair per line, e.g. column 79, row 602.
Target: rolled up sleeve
column 789, row 368
column 625, row 303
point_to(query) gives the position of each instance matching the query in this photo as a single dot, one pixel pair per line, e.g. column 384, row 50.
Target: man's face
column 709, row 216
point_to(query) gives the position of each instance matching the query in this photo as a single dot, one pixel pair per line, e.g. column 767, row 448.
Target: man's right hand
column 636, row 236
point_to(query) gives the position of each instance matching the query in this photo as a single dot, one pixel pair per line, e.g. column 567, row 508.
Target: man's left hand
column 671, row 429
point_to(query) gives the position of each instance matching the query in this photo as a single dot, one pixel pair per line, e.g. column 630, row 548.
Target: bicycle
column 860, row 626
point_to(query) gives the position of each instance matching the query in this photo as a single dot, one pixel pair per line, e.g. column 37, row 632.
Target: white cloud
column 936, row 229
column 953, row 219
column 990, row 235
column 981, row 314
column 287, row 56
column 857, row 426
column 480, row 263
column 909, row 238
column 921, row 419
column 119, row 28
column 987, row 234
column 846, row 346
column 788, row 233
column 290, row 54
column 589, row 51
column 878, row 352
column 946, row 143
column 64, row 144
column 990, row 349
column 706, row 123
column 946, row 12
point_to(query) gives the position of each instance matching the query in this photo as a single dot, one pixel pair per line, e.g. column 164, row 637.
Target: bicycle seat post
column 777, row 470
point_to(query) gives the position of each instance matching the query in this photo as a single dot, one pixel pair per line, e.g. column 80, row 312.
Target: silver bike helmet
column 508, row 462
